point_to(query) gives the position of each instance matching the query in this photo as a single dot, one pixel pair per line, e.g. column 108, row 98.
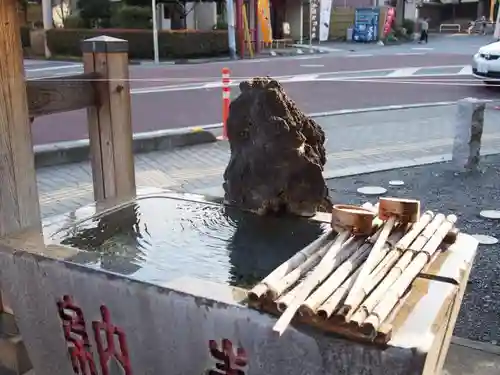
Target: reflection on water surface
column 158, row 239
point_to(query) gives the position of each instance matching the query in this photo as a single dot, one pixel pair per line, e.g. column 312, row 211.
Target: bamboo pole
column 358, row 315
column 350, row 219
column 289, row 280
column 392, row 209
column 330, row 305
column 361, row 249
column 285, row 300
column 316, row 277
column 335, row 280
column 401, row 285
column 326, row 310
column 272, row 285
column 402, row 262
column 270, row 281
column 373, row 258
column 350, row 306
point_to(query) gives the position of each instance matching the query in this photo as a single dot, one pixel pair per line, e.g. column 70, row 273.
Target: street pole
column 301, row 27
column 310, row 24
column 231, row 32
column 496, row 33
column 155, row 32
column 47, row 23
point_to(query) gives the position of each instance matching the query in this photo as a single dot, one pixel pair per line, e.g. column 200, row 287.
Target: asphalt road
column 173, row 96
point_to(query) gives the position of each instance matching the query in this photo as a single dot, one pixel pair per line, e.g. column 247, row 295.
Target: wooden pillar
column 110, row 122
column 19, row 205
column 256, row 26
column 239, row 27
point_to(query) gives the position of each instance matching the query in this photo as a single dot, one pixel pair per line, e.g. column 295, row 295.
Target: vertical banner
column 389, row 19
column 265, row 20
column 325, row 11
column 313, row 25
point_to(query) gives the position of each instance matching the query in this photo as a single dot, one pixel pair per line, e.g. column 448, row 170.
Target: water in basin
column 158, row 239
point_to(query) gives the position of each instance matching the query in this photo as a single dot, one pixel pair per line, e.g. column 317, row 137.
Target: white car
column 486, row 63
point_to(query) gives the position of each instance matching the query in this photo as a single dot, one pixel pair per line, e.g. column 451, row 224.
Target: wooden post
column 19, row 205
column 239, row 28
column 256, row 26
column 110, row 122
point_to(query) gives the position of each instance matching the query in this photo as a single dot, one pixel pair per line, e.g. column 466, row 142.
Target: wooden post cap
column 406, row 210
column 355, row 218
column 104, row 44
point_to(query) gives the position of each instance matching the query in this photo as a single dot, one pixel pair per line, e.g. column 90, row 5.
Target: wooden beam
column 19, row 206
column 110, row 122
column 61, row 94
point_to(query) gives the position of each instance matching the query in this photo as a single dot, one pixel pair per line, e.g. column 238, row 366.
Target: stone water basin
column 162, row 236
column 187, row 255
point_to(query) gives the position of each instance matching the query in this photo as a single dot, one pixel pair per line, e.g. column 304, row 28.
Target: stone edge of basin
column 59, row 153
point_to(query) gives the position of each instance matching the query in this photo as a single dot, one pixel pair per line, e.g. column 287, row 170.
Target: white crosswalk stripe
column 465, row 71
column 41, row 70
column 405, row 72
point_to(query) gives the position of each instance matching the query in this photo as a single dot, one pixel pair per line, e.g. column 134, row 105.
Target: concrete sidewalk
column 357, row 143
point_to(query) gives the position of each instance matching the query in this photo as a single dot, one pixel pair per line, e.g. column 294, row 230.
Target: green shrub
column 95, row 13
column 174, row 44
column 409, row 25
column 220, row 25
column 73, row 21
column 25, row 36
column 132, row 17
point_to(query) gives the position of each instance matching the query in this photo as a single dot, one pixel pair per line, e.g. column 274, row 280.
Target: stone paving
column 356, row 142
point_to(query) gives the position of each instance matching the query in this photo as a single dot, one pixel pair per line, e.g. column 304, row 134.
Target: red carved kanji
column 105, row 353
column 230, row 363
column 75, row 333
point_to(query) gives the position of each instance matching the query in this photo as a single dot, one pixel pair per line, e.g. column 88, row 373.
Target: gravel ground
column 443, row 190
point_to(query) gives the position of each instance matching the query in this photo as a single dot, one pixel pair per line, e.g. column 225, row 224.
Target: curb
column 381, row 108
column 387, row 166
column 217, row 191
column 477, row 345
column 53, row 154
column 78, row 151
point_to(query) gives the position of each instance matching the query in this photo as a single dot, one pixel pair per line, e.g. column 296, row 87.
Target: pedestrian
column 424, row 31
column 483, row 25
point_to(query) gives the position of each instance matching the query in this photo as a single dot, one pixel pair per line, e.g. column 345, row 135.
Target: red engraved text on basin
column 75, row 333
column 79, row 346
column 229, row 361
column 109, row 349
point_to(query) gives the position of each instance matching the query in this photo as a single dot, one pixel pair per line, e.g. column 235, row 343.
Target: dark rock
column 277, row 153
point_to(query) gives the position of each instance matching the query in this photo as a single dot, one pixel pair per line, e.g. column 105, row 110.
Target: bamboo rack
column 314, row 285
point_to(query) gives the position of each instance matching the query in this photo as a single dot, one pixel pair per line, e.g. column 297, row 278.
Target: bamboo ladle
column 391, row 210
column 347, row 220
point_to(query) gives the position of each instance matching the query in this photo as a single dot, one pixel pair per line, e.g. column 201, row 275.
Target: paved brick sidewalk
column 355, row 142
